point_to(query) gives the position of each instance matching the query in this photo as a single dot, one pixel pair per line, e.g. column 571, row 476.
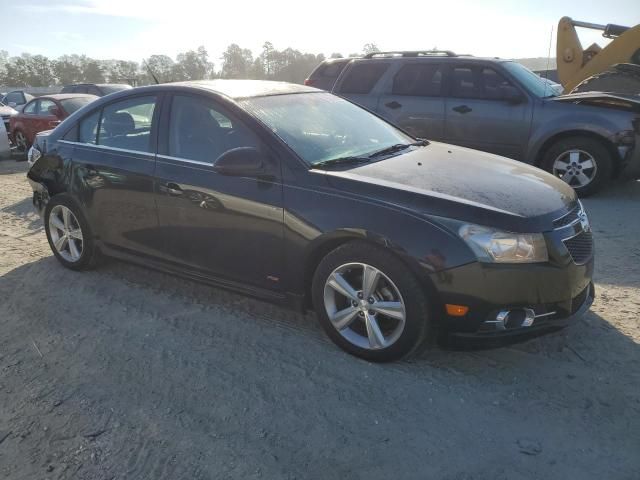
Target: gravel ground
column 123, row 372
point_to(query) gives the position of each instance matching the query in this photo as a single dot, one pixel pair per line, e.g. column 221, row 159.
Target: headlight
column 496, row 246
column 33, row 155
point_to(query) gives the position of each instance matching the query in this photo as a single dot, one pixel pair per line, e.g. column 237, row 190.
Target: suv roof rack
column 412, row 53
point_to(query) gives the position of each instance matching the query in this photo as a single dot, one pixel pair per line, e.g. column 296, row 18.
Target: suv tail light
column 308, row 81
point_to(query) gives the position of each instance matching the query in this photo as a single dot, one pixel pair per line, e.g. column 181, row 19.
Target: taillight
column 308, row 81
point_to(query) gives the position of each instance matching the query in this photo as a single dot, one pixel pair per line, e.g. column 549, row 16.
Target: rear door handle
column 393, row 105
column 462, row 109
column 172, row 189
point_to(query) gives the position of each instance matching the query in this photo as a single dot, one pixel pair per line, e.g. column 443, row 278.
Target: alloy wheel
column 21, row 141
column 66, row 233
column 576, row 167
column 364, row 306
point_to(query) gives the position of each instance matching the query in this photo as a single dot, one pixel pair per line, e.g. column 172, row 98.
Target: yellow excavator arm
column 576, row 64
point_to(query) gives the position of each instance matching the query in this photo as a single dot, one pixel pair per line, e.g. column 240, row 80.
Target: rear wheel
column 69, row 234
column 583, row 163
column 22, row 145
column 369, row 303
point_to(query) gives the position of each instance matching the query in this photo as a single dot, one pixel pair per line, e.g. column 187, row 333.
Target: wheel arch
column 549, row 142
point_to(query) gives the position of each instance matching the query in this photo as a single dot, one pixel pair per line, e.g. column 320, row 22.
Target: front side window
column 45, row 107
column 421, row 80
column 362, row 77
column 322, row 126
column 30, row 108
column 200, row 130
column 127, row 124
column 495, row 86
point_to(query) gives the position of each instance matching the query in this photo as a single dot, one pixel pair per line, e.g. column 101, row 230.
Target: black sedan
column 294, row 195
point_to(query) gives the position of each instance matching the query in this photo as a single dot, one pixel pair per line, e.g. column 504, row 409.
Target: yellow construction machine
column 614, row 68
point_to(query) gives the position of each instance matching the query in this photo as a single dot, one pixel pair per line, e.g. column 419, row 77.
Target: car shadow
column 24, row 211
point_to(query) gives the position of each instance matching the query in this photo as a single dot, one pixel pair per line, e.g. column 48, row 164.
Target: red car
column 44, row 113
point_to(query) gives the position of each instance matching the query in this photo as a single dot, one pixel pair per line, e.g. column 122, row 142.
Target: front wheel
column 369, row 303
column 22, row 145
column 582, row 162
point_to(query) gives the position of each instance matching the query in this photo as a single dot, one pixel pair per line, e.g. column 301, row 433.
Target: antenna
column 546, row 73
column 153, row 75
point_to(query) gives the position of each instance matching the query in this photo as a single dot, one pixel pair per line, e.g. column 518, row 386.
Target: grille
column 569, row 218
column 580, row 247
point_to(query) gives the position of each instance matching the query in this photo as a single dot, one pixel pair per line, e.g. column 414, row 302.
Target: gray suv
column 501, row 107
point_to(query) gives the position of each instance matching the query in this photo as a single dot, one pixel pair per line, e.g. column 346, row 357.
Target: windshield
column 321, row 126
column 70, row 105
column 532, row 82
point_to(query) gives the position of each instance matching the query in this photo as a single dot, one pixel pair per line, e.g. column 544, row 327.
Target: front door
column 229, row 227
column 414, row 100
column 481, row 112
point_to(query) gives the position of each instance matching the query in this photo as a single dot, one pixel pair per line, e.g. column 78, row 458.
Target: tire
column 579, row 150
column 84, row 244
column 22, row 144
column 396, row 286
column 615, row 80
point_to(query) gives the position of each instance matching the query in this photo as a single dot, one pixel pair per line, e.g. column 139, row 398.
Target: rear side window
column 332, row 70
column 127, row 124
column 362, row 77
column 421, row 80
column 89, row 129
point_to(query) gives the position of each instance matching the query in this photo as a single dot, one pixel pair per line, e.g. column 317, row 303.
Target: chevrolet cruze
column 294, row 195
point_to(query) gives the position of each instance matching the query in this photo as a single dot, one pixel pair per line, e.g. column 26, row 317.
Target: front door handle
column 393, row 105
column 172, row 189
column 462, row 109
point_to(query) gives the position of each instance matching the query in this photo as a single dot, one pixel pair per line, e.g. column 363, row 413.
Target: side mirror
column 240, row 161
column 512, row 95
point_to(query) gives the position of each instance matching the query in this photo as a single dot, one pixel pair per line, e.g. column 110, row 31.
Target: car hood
column 601, row 99
column 453, row 182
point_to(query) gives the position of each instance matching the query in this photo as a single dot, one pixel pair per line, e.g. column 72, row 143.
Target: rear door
column 413, row 99
column 481, row 112
column 360, row 82
column 113, row 161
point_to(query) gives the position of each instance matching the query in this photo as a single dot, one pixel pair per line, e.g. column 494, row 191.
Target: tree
column 92, row 71
column 193, row 65
column 67, row 69
column 370, row 48
column 336, row 55
column 162, row 67
column 122, row 71
column 236, row 62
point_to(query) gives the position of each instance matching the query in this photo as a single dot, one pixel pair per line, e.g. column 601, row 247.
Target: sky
column 134, row 29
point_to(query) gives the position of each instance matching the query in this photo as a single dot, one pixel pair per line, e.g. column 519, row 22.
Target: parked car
column 295, row 195
column 43, row 113
column 16, row 99
column 501, row 107
column 324, row 76
column 97, row 89
column 6, row 112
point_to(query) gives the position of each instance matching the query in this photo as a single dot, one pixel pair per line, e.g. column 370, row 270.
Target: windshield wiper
column 398, row 147
column 341, row 161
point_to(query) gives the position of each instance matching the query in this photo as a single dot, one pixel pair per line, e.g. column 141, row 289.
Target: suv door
column 113, row 159
column 359, row 82
column 485, row 111
column 226, row 226
column 414, row 101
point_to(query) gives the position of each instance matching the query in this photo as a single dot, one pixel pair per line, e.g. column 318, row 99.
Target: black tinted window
column 423, row 80
column 200, row 130
column 362, row 77
column 89, row 128
column 464, row 83
column 72, row 104
column 127, row 124
column 332, row 70
column 15, row 97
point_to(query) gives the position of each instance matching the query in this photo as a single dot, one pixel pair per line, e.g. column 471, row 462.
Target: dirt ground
column 127, row 373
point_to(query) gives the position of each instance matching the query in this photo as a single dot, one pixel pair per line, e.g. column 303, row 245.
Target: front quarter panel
column 318, row 218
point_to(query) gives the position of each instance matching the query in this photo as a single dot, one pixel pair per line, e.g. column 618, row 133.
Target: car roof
column 432, row 58
column 65, row 96
column 239, row 89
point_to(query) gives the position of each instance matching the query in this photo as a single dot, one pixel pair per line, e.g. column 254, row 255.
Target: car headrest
column 119, row 123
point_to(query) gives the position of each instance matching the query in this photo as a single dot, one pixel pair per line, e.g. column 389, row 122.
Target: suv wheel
column 583, row 163
column 369, row 303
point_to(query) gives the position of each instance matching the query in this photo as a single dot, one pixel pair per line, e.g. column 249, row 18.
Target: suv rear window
column 422, row 80
column 362, row 77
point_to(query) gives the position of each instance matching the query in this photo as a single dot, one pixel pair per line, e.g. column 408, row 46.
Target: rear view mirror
column 240, row 161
